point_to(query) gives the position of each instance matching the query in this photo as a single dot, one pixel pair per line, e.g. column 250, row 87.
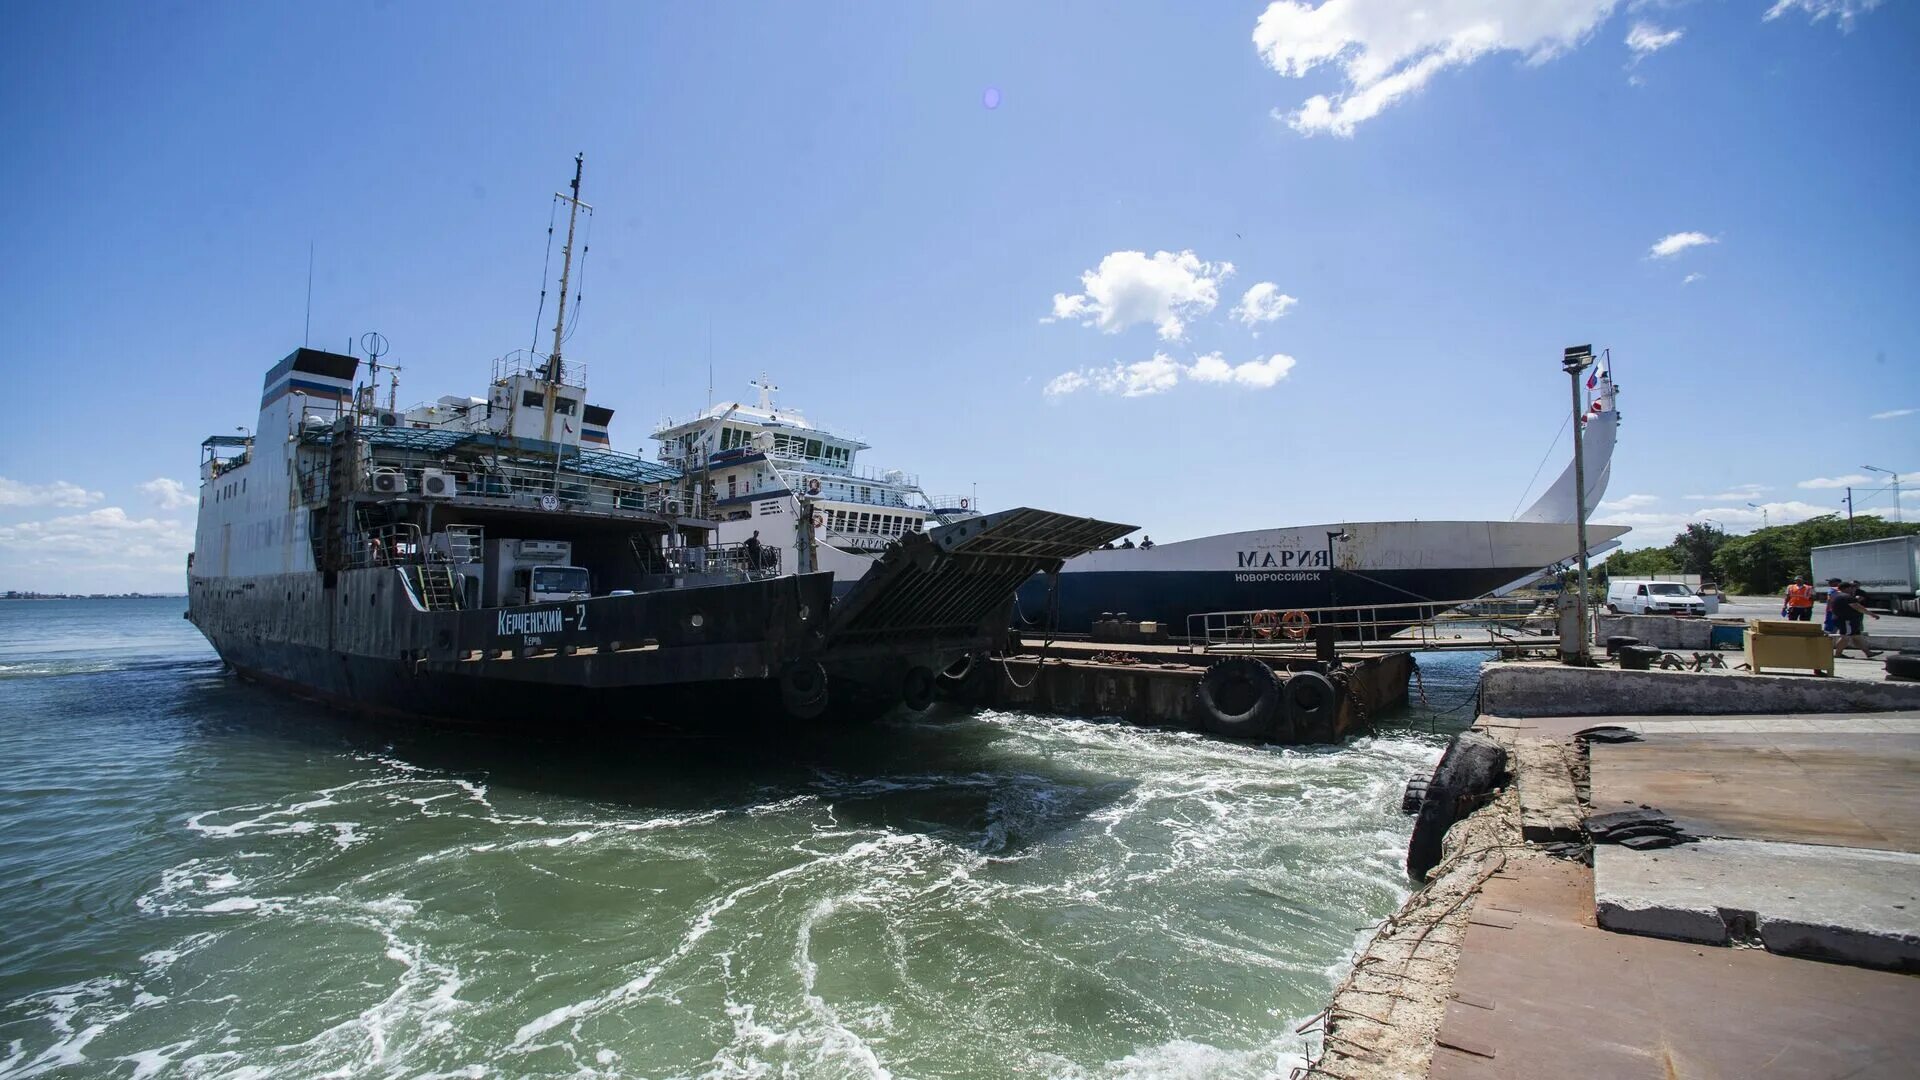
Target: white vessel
column 766, row 470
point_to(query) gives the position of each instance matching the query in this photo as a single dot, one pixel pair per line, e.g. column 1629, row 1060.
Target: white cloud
column 1691, row 278
column 1674, row 243
column 1627, row 502
column 1645, row 38
column 1263, row 303
column 1816, row 10
column 1128, row 288
column 1659, row 528
column 1140, row 379
column 1389, row 49
column 1163, row 373
column 1737, row 493
column 1821, row 483
column 58, row 493
column 168, row 494
column 102, row 550
column 1894, row 414
column 1259, row 374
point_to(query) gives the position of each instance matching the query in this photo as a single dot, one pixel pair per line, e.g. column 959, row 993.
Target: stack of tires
column 1242, row 698
column 1473, row 766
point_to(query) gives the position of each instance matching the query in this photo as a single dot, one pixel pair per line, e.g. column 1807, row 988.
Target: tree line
column 1758, row 563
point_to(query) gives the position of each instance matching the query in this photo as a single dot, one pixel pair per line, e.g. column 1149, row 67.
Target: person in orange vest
column 1799, row 606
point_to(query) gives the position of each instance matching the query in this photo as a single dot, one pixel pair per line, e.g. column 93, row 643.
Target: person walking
column 1851, row 616
column 1799, row 603
column 1832, row 625
column 753, row 553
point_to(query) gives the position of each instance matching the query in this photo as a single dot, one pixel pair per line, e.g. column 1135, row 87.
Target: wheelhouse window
column 559, row 579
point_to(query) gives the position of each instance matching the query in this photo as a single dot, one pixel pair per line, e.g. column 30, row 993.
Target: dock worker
column 1850, row 613
column 1799, row 605
column 1833, row 594
column 1127, row 543
column 1145, row 542
column 753, row 552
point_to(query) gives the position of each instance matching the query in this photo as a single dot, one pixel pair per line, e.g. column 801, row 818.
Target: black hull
column 651, row 661
column 1170, row 596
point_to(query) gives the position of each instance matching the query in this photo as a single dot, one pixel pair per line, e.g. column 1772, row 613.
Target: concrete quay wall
column 1543, row 690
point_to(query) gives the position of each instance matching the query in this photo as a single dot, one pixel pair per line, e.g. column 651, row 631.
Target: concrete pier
column 1156, row 685
column 1773, row 939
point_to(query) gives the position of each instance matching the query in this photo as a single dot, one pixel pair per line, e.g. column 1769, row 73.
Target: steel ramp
column 955, row 584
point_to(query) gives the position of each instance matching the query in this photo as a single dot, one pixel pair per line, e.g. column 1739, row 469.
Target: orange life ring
column 963, row 504
column 813, row 485
column 819, row 521
column 1294, row 624
column 1263, row 623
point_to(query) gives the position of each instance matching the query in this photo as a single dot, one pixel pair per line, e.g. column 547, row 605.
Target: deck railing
column 1420, row 624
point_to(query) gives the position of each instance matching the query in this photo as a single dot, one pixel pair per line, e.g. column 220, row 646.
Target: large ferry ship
column 488, row 559
column 765, row 467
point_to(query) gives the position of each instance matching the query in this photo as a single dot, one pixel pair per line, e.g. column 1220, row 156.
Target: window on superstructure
column 565, row 406
column 531, row 399
column 813, row 449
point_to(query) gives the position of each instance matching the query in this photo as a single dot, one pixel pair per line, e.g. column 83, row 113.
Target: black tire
column 1415, row 794
column 916, row 689
column 1313, row 706
column 1903, row 665
column 1239, row 697
column 1472, row 766
column 803, row 689
column 1619, row 641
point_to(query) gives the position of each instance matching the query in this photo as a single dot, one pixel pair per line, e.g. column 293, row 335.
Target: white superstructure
column 760, row 464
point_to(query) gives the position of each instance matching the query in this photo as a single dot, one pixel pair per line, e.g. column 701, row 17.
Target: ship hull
column 680, row 659
column 1380, row 563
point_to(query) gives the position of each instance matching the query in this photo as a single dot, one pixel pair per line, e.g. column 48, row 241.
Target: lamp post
column 1333, row 583
column 1765, row 521
column 1896, row 486
column 1576, row 359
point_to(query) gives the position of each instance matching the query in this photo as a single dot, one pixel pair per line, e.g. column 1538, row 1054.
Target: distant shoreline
column 93, row 596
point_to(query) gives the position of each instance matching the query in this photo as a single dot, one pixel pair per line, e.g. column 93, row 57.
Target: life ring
column 963, row 504
column 1263, row 623
column 813, row 485
column 1239, row 697
column 377, row 552
column 1294, row 624
column 819, row 521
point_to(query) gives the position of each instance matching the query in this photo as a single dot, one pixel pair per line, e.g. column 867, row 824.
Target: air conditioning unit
column 386, row 418
column 389, row 481
column 437, row 484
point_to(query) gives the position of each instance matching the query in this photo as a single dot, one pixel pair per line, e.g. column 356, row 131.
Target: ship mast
column 566, row 267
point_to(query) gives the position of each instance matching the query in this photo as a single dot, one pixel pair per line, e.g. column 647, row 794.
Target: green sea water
column 202, row 878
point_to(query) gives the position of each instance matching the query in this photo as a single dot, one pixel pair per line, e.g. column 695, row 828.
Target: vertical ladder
column 437, row 590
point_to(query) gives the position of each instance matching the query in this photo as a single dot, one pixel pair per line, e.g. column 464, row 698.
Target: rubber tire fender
column 803, row 689
column 1230, row 681
column 1472, row 766
column 916, row 688
column 1313, row 703
column 1903, row 665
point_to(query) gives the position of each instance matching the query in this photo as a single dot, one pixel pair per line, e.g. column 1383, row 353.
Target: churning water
column 199, row 877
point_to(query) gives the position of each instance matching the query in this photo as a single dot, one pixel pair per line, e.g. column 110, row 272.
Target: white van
column 1643, row 596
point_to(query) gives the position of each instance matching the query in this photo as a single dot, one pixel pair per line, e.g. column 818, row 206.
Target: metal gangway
column 1478, row 623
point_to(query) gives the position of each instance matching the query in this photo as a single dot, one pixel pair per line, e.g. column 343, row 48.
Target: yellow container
column 1794, row 650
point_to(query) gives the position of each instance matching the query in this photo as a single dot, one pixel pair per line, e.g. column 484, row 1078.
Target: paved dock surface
column 1809, row 846
column 1542, row 991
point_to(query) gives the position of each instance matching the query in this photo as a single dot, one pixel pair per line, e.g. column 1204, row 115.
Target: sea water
column 203, row 878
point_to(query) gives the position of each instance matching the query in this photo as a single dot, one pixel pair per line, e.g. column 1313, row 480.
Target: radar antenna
column 574, row 206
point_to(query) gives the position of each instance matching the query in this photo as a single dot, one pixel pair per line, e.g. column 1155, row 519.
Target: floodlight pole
column 1577, row 359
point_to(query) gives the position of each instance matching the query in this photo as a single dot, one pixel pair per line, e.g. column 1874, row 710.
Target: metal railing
column 385, row 545
column 719, row 562
column 1416, row 625
column 529, row 485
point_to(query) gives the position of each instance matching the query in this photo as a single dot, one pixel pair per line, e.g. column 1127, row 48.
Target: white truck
column 533, row 572
column 1888, row 570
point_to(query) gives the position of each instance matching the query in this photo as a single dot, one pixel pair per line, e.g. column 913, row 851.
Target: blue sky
column 822, row 194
